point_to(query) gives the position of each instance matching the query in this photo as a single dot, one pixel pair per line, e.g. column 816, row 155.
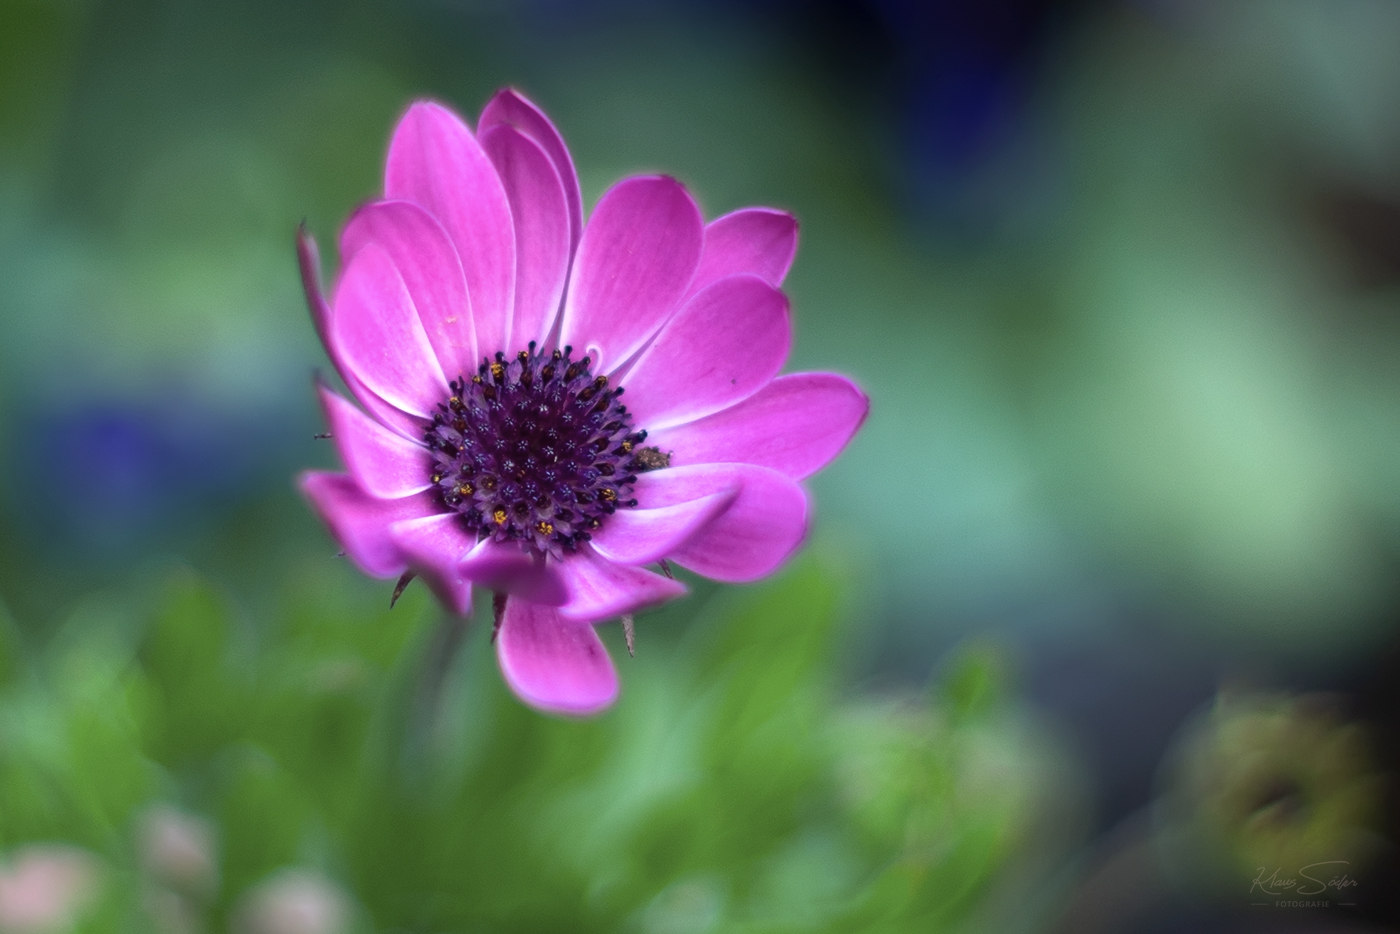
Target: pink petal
column 403, row 424
column 725, row 344
column 634, row 263
column 436, row 162
column 658, row 489
column 599, row 589
column 309, row 262
column 511, row 108
column 384, row 464
column 376, row 331
column 426, row 259
column 796, row 424
column 360, row 522
column 554, row 664
column 309, row 259
column 758, row 532
column 760, row 241
column 641, row 536
column 433, row 546
column 542, row 247
column 508, row 568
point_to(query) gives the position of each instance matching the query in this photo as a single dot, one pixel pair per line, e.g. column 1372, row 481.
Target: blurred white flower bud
column 294, row 901
column 44, row 888
column 168, row 912
column 179, row 850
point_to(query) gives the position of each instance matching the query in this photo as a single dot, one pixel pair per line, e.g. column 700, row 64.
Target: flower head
column 550, row 405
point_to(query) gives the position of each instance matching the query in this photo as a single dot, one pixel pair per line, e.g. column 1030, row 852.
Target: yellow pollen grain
column 499, row 516
column 466, row 489
column 497, row 370
column 627, row 447
column 609, row 495
column 544, row 528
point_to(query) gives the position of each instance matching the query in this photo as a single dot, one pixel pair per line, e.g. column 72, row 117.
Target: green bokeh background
column 1143, row 380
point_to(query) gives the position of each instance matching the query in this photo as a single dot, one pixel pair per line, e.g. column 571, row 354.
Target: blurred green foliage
column 730, row 789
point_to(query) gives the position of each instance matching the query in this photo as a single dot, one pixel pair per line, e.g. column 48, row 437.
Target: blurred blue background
column 1114, row 559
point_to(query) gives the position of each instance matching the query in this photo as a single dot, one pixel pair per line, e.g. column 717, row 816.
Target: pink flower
column 46, row 887
column 294, row 901
column 488, row 333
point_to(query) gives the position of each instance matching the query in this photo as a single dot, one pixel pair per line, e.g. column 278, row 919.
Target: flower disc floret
column 535, row 450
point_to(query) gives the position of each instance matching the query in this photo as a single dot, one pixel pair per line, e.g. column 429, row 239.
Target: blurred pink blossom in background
column 45, row 887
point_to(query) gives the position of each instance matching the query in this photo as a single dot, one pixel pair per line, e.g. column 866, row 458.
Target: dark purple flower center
column 536, row 450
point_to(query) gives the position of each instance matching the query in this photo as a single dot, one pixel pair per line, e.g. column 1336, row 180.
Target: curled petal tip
column 309, row 265
column 511, row 93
